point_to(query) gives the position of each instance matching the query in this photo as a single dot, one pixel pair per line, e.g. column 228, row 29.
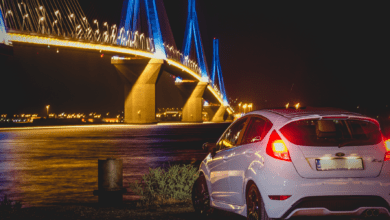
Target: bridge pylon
column 140, row 77
column 130, row 22
column 217, row 72
column 192, row 31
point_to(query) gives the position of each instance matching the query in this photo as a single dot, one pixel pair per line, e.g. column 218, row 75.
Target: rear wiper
column 349, row 142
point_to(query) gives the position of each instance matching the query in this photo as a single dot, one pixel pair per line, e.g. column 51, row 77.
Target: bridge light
column 205, row 78
column 178, row 79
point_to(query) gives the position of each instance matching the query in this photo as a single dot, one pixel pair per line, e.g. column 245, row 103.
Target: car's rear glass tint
column 350, row 132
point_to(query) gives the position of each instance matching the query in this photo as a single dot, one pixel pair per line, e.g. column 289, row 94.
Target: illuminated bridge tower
column 130, row 22
column 217, row 72
column 140, row 75
column 192, row 31
column 192, row 111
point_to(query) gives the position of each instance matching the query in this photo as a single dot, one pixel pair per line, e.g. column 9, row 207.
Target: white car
column 282, row 163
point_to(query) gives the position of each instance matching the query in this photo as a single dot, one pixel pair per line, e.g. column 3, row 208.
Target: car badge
column 340, row 154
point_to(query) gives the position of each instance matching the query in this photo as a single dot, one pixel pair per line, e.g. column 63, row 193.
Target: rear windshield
column 350, row 132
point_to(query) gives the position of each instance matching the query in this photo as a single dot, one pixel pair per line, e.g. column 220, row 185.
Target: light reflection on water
column 59, row 164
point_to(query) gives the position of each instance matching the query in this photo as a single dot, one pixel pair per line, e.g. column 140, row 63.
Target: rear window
column 349, row 132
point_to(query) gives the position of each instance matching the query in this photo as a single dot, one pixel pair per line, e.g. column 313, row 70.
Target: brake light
column 282, row 197
column 335, row 117
column 387, row 154
column 276, row 148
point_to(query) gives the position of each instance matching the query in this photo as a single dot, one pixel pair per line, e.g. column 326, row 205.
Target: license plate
column 339, row 164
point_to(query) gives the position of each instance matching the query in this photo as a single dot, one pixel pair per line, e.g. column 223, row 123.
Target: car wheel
column 201, row 197
column 255, row 205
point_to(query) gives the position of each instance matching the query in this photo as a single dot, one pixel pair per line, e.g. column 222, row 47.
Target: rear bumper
column 363, row 212
column 365, row 206
column 322, row 197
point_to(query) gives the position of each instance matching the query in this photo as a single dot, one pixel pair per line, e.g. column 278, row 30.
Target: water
column 45, row 166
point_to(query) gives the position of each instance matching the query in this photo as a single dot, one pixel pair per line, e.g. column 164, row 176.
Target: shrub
column 161, row 186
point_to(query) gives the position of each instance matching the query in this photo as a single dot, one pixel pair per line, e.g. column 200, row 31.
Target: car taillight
column 276, row 147
column 281, row 197
column 387, row 145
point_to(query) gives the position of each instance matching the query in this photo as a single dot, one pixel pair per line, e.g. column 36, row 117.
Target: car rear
column 336, row 164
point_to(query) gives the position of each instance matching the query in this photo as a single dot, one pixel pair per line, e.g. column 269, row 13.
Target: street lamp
column 47, row 109
column 245, row 105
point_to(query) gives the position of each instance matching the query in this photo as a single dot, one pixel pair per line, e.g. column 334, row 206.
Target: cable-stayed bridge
column 143, row 43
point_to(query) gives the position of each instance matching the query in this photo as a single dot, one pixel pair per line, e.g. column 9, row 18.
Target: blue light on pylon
column 218, row 70
column 130, row 13
column 192, row 29
column 3, row 32
column 129, row 22
column 154, row 28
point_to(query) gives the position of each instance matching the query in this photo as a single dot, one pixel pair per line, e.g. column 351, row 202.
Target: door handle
column 225, row 157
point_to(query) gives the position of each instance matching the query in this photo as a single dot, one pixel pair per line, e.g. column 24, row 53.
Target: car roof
column 308, row 112
column 282, row 116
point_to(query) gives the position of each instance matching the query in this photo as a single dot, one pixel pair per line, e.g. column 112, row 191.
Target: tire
column 255, row 204
column 201, row 197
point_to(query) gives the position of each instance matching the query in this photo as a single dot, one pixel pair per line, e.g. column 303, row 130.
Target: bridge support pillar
column 218, row 117
column 192, row 111
column 140, row 97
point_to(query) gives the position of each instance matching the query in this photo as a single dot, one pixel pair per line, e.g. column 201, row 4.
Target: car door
column 219, row 164
column 246, row 158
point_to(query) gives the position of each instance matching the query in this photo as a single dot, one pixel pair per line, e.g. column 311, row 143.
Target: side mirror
column 210, row 148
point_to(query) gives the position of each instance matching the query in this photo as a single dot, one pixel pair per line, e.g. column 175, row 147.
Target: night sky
column 317, row 53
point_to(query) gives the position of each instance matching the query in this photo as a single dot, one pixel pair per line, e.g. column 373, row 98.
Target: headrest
column 325, row 128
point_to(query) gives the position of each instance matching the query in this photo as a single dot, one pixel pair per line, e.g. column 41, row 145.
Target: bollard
column 110, row 182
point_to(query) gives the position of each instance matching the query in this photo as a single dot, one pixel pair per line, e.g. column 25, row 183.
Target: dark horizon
column 317, row 54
